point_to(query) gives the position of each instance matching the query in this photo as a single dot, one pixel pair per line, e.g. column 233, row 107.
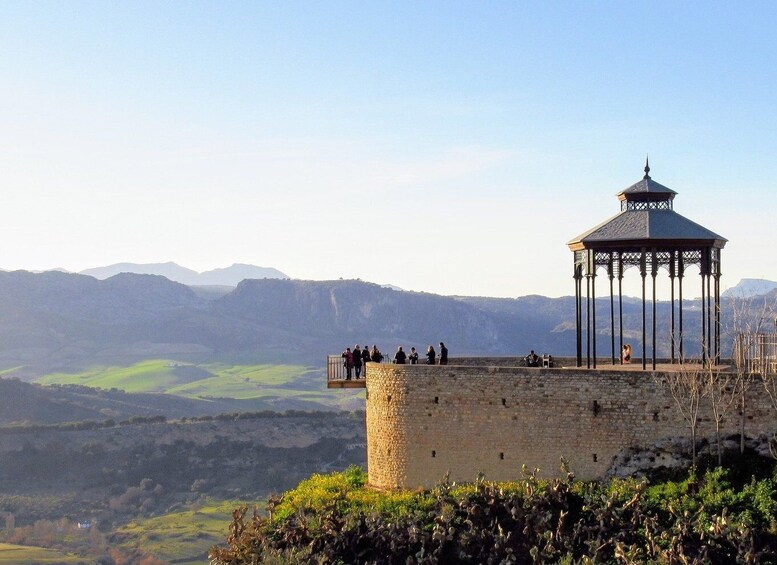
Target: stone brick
column 424, row 421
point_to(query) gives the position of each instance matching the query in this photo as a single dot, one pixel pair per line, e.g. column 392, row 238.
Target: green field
column 183, row 537
column 183, row 534
column 25, row 555
column 253, row 385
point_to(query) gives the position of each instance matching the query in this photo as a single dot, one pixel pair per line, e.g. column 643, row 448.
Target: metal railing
column 337, row 371
column 757, row 353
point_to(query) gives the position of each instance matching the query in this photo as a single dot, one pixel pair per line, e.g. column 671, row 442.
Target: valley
column 146, row 469
column 136, row 413
column 155, row 455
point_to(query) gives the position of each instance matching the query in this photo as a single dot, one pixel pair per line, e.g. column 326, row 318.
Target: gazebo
column 650, row 235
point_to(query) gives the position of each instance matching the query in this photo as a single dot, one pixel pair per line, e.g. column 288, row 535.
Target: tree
column 688, row 385
column 750, row 318
column 723, row 389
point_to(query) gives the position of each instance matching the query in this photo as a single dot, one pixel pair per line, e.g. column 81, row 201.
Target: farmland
column 252, row 387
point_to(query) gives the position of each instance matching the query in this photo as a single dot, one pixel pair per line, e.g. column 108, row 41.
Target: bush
column 335, row 518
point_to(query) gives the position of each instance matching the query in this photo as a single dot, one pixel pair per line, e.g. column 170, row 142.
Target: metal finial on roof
column 647, row 168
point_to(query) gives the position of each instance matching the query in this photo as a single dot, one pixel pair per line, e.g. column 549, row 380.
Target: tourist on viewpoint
column 443, row 354
column 357, row 360
column 626, row 353
column 430, row 355
column 365, row 356
column 400, row 357
column 348, row 363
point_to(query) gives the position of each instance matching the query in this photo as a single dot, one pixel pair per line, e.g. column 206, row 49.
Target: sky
column 446, row 147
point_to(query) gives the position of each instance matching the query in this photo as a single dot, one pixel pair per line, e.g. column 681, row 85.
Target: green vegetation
column 172, row 537
column 11, row 554
column 256, row 386
column 712, row 516
column 181, row 534
column 347, row 492
column 183, row 379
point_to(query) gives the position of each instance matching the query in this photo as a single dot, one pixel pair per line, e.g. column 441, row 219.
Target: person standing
column 357, row 361
column 365, row 358
column 430, row 355
column 348, row 362
column 413, row 357
column 443, row 354
column 400, row 356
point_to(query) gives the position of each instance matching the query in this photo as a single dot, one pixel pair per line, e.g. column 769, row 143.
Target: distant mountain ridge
column 748, row 288
column 60, row 321
column 227, row 276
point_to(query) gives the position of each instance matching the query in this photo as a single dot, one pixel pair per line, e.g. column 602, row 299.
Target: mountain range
column 228, row 276
column 63, row 321
column 748, row 288
column 218, row 282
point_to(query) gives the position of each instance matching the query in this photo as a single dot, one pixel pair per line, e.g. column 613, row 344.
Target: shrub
column 337, row 519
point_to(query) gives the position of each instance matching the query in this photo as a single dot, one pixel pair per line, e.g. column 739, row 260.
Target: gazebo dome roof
column 656, row 226
column 646, row 186
column 647, row 190
column 647, row 218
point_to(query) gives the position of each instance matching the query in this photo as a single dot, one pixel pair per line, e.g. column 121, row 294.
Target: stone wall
column 424, row 421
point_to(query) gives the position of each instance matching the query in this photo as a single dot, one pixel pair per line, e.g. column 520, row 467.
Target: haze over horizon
column 451, row 148
column 231, row 275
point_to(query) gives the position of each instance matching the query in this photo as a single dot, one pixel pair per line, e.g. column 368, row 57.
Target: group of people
column 354, row 360
column 534, row 360
column 401, row 358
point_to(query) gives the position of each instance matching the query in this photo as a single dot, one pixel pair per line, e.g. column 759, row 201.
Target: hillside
column 163, row 388
column 55, row 321
column 52, row 477
column 748, row 288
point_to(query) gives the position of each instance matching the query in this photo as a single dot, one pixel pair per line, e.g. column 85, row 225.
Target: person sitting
column 626, row 354
column 532, row 359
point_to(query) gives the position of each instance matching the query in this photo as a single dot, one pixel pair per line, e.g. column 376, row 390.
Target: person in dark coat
column 365, row 358
column 430, row 355
column 413, row 357
column 348, row 362
column 400, row 356
column 443, row 354
column 357, row 360
column 375, row 355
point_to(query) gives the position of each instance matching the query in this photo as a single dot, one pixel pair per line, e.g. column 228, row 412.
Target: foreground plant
column 528, row 521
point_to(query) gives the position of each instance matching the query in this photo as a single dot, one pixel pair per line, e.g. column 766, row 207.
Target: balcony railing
column 757, row 353
column 337, row 374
